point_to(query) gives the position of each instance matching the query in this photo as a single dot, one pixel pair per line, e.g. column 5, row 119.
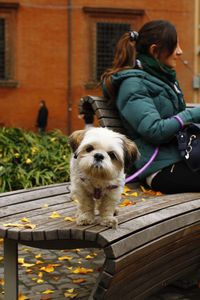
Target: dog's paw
column 85, row 219
column 109, row 222
column 116, row 211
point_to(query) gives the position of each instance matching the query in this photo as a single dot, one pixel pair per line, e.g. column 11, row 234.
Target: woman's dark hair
column 159, row 32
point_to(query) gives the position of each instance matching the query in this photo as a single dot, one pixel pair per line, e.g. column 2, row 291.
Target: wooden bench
column 158, row 239
column 106, row 114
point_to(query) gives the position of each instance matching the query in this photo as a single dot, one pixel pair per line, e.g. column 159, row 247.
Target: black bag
column 189, row 145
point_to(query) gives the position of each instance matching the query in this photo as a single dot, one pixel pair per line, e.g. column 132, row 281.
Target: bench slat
column 150, row 233
column 106, row 122
column 29, row 206
column 106, row 113
column 58, row 186
column 149, row 276
column 164, row 244
column 152, row 204
column 32, row 195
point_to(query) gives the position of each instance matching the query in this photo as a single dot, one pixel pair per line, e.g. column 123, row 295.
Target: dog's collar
column 98, row 191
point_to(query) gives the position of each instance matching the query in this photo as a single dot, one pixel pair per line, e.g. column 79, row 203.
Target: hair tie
column 134, row 35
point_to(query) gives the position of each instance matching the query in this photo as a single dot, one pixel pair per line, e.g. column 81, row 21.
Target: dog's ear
column 131, row 152
column 75, row 139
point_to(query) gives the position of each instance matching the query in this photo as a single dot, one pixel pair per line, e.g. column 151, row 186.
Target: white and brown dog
column 97, row 172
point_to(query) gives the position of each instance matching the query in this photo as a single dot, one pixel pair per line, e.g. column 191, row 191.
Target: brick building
column 55, row 50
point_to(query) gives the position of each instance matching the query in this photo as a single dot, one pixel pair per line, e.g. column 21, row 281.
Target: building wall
column 50, row 67
column 41, row 66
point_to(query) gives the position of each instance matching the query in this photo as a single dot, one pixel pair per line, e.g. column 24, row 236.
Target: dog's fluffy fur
column 97, row 172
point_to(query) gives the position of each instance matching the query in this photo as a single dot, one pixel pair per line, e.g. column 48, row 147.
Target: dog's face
column 101, row 153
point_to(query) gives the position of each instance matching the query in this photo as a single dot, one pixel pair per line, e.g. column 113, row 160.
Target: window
column 7, row 44
column 107, row 36
column 105, row 27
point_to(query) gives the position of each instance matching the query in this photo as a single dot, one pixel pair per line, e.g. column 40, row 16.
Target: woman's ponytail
column 124, row 58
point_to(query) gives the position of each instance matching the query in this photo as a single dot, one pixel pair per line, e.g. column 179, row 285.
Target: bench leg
column 11, row 269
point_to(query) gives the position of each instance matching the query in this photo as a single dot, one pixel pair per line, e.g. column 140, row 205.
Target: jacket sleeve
column 137, row 107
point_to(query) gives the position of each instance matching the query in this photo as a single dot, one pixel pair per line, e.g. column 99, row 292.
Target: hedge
column 28, row 159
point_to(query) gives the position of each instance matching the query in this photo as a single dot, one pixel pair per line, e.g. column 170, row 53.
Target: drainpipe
column 196, row 52
column 69, row 87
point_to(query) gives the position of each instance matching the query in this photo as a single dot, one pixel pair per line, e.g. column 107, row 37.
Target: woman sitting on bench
column 151, row 104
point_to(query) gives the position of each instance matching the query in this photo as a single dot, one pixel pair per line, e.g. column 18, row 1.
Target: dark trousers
column 177, row 178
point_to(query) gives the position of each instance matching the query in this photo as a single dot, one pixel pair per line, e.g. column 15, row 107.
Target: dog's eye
column 89, row 148
column 112, row 155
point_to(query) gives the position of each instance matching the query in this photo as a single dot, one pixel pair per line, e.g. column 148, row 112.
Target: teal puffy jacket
column 147, row 106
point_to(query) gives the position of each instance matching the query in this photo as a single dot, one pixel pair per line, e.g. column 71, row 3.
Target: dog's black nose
column 98, row 156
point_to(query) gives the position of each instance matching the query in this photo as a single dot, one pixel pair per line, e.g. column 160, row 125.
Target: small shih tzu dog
column 97, row 172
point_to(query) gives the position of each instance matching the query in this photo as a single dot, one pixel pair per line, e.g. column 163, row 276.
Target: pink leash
column 136, row 174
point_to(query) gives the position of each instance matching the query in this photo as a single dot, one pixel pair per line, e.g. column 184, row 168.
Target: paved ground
column 46, row 275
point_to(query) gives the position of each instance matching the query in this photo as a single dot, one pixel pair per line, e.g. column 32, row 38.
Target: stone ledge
column 9, row 83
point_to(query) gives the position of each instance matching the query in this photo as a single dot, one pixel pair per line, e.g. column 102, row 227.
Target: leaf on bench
column 26, row 226
column 55, row 215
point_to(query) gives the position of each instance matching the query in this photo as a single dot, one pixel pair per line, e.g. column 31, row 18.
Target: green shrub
column 28, row 159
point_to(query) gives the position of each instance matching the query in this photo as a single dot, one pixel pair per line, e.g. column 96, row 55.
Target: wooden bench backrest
column 106, row 114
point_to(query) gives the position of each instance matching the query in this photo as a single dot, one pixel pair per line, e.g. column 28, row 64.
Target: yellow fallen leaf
column 79, row 280
column 47, row 269
column 70, row 291
column 26, row 249
column 55, row 215
column 23, row 297
column 38, row 255
column 89, row 257
column 29, row 226
column 82, row 270
column 38, row 262
column 25, row 220
column 27, row 265
column 20, row 260
column 13, row 225
column 94, row 254
column 126, row 202
column 69, row 268
column 40, row 274
column 69, row 219
column 55, row 265
column 40, row 280
column 126, row 189
column 71, row 296
column 47, row 292
column 1, row 281
column 150, row 192
column 65, row 258
column 135, row 194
